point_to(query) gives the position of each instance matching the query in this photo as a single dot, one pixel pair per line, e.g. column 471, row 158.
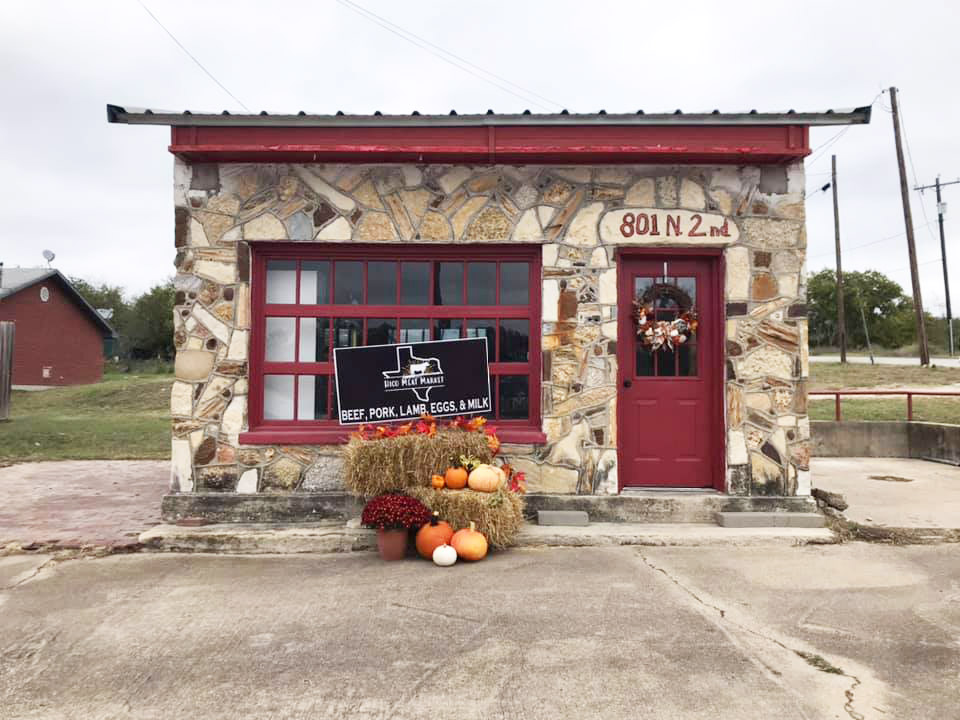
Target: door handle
column 627, row 383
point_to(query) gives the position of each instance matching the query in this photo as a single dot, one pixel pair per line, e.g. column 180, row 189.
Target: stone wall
column 220, row 209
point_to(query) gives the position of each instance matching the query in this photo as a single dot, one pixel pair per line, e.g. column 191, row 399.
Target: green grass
column 940, row 410
column 123, row 417
column 834, row 376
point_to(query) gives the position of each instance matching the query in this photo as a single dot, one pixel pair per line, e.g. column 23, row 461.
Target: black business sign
column 387, row 383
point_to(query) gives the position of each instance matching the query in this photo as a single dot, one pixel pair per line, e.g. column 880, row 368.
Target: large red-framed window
column 308, row 300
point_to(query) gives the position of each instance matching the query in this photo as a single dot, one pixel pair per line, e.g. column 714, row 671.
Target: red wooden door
column 669, row 413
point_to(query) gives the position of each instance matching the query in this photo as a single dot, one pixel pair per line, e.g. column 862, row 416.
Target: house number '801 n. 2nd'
column 671, row 225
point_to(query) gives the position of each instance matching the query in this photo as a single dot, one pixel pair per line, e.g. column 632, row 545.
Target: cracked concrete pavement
column 848, row 631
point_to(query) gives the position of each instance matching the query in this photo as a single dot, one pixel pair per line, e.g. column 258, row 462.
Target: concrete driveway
column 855, row 630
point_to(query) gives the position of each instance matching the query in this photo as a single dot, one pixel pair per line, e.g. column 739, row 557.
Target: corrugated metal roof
column 13, row 280
column 148, row 116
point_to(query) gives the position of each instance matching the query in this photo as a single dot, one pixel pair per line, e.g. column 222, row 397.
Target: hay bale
column 498, row 515
column 374, row 467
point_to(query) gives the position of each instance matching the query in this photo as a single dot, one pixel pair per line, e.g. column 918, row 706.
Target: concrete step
column 336, row 537
column 770, row 519
column 562, row 517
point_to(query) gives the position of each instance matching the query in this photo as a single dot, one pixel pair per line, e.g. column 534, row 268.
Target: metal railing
column 909, row 393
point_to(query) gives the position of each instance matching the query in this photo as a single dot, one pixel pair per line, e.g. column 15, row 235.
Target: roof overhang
column 709, row 138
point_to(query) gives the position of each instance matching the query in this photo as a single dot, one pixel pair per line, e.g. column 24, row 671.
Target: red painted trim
column 754, row 144
column 328, row 431
column 713, row 311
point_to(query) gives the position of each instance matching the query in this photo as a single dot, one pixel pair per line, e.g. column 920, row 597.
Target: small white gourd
column 444, row 555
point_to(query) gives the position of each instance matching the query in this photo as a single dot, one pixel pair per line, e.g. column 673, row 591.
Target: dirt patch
column 890, row 478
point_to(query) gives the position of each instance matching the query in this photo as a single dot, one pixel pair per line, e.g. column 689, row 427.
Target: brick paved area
column 80, row 503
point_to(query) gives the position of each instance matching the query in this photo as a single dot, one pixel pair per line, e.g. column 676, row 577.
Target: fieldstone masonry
column 219, row 209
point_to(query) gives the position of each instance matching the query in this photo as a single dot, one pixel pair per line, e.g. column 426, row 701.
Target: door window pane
column 666, row 362
column 448, row 283
column 644, row 361
column 281, row 334
column 314, row 339
column 484, row 328
column 381, row 283
column 513, row 399
column 381, row 331
column 278, row 397
column 415, row 283
column 447, row 329
column 514, row 283
column 514, row 340
column 481, row 283
column 312, row 397
column 347, row 332
column 687, row 360
column 688, row 286
column 281, row 281
column 314, row 282
column 414, row 330
column 348, row 277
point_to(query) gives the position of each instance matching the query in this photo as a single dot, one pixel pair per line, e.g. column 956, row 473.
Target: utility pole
column 911, row 245
column 941, row 209
column 841, row 317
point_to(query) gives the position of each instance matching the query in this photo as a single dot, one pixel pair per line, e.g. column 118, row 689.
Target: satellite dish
column 48, row 255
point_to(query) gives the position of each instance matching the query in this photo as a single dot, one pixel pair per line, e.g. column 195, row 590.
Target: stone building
column 296, row 234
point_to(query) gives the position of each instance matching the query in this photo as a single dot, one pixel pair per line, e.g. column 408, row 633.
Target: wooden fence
column 6, row 368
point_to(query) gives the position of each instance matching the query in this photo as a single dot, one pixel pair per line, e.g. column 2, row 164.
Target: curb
column 335, row 537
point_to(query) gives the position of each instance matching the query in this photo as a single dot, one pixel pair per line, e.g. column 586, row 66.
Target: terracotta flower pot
column 392, row 543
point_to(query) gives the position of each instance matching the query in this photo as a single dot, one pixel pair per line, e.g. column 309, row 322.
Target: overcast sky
column 100, row 195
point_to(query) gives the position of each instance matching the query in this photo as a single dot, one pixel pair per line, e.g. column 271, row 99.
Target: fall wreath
column 657, row 334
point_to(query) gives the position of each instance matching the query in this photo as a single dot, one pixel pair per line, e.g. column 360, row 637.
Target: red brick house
column 59, row 335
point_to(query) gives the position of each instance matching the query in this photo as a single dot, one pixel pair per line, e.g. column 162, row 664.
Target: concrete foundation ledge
column 853, row 438
column 769, row 519
column 335, row 537
column 260, row 508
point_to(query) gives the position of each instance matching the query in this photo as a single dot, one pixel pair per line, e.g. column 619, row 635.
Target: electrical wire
column 446, row 55
column 191, row 56
column 858, row 247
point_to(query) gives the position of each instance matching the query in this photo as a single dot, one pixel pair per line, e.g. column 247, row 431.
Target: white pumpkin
column 444, row 555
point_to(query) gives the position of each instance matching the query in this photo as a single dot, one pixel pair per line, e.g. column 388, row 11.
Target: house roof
column 194, row 118
column 525, row 138
column 13, row 280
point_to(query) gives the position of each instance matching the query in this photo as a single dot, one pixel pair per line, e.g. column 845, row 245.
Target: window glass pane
column 347, row 332
column 415, row 283
column 514, row 340
column 644, row 361
column 414, row 330
column 483, row 328
column 312, row 397
column 513, row 397
column 278, row 397
column 281, row 334
column 641, row 286
column 687, row 359
column 381, row 283
column 514, row 283
column 688, row 286
column 447, row 329
column 381, row 331
column 348, row 284
column 481, row 283
column 314, row 339
column 314, row 282
column 666, row 362
column 448, row 283
column 281, row 281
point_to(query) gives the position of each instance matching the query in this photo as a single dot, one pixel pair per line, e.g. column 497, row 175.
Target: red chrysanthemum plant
column 395, row 512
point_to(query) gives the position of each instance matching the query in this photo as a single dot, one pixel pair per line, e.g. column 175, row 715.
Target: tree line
column 887, row 312
column 144, row 324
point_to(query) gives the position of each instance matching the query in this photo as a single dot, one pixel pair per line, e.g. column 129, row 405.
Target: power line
column 818, row 151
column 858, row 247
column 446, row 56
column 190, row 55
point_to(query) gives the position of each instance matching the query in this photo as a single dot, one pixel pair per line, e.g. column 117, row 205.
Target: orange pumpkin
column 469, row 544
column 456, row 478
column 432, row 536
column 486, row 478
column 437, row 482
